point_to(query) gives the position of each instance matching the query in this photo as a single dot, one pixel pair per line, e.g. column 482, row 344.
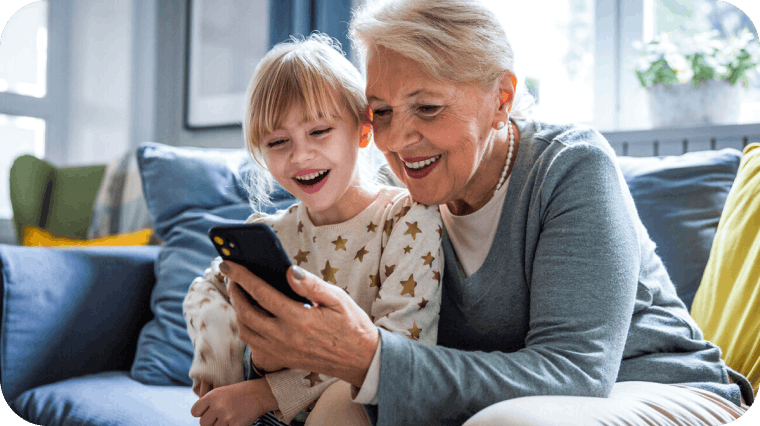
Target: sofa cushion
column 680, row 199
column 187, row 190
column 111, row 398
column 727, row 305
column 63, row 309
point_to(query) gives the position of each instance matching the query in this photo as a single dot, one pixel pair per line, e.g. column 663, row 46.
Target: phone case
column 256, row 247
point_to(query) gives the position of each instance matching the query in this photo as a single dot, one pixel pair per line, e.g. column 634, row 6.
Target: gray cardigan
column 570, row 299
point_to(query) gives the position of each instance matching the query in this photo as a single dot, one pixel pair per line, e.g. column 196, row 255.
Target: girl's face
column 316, row 162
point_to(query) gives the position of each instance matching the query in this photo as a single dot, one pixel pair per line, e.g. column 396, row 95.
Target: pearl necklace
column 509, row 159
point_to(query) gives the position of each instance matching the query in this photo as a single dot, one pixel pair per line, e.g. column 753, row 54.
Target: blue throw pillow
column 187, row 190
column 680, row 199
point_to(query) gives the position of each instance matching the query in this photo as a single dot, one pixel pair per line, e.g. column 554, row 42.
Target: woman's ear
column 507, row 87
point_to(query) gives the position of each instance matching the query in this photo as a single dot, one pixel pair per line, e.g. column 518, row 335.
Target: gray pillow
column 680, row 199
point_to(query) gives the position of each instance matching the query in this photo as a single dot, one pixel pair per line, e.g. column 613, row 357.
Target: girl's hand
column 335, row 337
column 204, row 387
column 235, row 405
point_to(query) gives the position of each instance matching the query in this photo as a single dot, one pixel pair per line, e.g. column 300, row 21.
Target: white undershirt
column 469, row 235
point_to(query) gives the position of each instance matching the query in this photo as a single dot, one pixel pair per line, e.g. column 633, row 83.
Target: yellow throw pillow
column 727, row 303
column 39, row 237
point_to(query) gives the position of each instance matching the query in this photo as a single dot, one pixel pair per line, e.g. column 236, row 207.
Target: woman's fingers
column 266, row 296
column 311, row 287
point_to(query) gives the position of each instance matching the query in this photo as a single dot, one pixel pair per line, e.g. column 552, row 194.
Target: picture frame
column 225, row 39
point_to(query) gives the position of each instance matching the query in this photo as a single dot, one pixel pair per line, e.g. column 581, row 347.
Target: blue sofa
column 96, row 336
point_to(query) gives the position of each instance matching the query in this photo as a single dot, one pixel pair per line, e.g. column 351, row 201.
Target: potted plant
column 695, row 80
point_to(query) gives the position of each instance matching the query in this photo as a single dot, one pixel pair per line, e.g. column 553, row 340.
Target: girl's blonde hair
column 454, row 40
column 311, row 74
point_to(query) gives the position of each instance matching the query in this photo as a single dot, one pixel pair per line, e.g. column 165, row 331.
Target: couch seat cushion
column 111, row 398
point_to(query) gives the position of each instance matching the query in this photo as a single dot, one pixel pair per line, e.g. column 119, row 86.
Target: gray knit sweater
column 570, row 299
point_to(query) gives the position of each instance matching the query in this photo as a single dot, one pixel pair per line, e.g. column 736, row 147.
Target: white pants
column 629, row 403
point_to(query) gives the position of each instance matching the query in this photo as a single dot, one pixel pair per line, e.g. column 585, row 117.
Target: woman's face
column 435, row 135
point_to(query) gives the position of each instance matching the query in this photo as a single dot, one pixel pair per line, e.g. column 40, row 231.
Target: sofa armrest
column 70, row 312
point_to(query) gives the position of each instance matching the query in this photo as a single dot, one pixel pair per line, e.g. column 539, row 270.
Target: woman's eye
column 429, row 110
column 381, row 113
column 321, row 131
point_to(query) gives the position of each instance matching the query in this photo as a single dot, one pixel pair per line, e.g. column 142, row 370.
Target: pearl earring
column 500, row 125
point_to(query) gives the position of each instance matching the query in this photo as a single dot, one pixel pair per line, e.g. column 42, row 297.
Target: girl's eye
column 321, row 131
column 429, row 110
column 275, row 143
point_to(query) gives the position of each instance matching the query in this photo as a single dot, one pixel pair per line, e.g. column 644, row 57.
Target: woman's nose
column 402, row 133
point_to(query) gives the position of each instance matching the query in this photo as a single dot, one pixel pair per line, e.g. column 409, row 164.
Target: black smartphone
column 256, row 247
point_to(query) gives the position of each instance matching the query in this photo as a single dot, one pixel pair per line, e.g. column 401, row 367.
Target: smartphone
column 256, row 247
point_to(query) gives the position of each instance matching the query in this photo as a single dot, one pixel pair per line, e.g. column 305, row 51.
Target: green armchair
column 60, row 200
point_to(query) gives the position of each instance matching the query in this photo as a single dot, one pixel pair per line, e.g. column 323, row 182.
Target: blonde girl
column 306, row 122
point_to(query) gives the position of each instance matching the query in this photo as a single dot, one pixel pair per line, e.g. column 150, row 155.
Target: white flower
column 677, row 62
column 684, row 76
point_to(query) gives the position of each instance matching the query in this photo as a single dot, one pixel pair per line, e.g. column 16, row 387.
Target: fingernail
column 224, row 267
column 299, row 273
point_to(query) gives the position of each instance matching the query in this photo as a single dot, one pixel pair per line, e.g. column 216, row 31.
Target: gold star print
column 409, row 286
column 413, row 230
column 389, row 270
column 403, row 212
column 414, row 332
column 375, row 280
column 422, row 304
column 340, row 243
column 428, row 259
column 407, row 249
column 328, row 274
column 439, row 231
column 437, row 277
column 346, row 290
column 360, row 254
column 371, row 227
column 300, row 226
column 388, row 227
column 301, row 256
column 290, row 210
column 377, row 296
column 313, row 379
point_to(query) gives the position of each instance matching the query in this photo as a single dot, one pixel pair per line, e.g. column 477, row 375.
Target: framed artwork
column 225, row 41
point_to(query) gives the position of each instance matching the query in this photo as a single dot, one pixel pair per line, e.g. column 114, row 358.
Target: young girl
column 306, row 118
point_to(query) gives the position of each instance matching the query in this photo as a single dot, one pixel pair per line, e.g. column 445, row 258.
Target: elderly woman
column 555, row 308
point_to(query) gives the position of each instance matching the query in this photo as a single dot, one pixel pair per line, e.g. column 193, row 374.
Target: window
column 20, row 135
column 578, row 59
column 23, row 89
column 689, row 17
column 554, row 56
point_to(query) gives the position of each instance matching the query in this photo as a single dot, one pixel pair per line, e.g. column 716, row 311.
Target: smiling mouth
column 420, row 168
column 311, row 179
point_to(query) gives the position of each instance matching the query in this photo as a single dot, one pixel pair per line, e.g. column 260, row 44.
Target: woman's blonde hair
column 454, row 40
column 311, row 74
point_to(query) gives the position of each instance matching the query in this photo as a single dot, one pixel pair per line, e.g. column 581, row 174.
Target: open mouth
column 312, row 182
column 420, row 167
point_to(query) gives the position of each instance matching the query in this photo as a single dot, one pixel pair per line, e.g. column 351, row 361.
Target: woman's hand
column 335, row 337
column 235, row 405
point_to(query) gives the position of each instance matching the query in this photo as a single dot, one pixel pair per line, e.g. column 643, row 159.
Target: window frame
column 620, row 103
column 53, row 107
